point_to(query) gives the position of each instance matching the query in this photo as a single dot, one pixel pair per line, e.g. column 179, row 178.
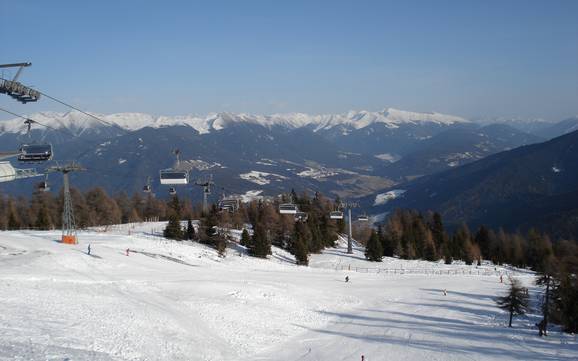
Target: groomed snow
column 179, row 301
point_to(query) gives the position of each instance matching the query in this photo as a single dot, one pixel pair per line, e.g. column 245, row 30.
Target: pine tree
column 373, row 249
column 134, row 216
column 497, row 248
column 515, row 301
column 546, row 279
column 245, row 238
column 260, row 245
column 43, row 219
column 392, row 236
column 461, row 240
column 468, row 253
column 328, row 231
column 419, row 231
column 13, row 221
column 125, row 206
column 102, row 209
column 567, row 301
column 483, row 240
column 437, row 229
column 301, row 236
column 173, row 229
column 316, row 244
column 209, row 225
column 191, row 235
column 429, row 248
column 564, row 287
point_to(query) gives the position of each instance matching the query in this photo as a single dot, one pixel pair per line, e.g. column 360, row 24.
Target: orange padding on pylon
column 69, row 239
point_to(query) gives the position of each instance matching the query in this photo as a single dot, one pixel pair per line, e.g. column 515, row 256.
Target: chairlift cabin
column 147, row 187
column 301, row 216
column 43, row 186
column 173, row 176
column 229, row 205
column 336, row 215
column 287, row 208
column 172, row 191
column 35, row 153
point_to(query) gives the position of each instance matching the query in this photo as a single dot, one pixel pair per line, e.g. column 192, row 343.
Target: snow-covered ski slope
column 180, row 301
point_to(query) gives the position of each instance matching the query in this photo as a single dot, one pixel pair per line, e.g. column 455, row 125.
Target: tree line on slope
column 299, row 237
column 95, row 207
column 91, row 208
column 409, row 234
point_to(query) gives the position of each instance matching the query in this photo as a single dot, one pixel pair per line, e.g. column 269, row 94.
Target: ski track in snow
column 180, row 301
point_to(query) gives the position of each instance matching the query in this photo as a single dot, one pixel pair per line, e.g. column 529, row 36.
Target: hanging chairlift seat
column 229, row 205
column 173, row 176
column 146, row 189
column 34, row 153
column 43, row 186
column 336, row 215
column 301, row 216
column 172, row 191
column 363, row 218
column 287, row 208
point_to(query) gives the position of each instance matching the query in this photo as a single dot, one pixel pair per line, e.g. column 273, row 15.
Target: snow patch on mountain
column 267, row 162
column 261, row 178
column 251, row 195
column 392, row 158
column 320, row 172
column 383, row 198
column 201, row 164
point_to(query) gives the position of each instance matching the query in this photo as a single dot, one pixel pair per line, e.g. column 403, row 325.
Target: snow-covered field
column 180, row 301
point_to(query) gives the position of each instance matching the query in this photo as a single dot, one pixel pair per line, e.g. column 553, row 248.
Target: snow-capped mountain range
column 78, row 122
column 353, row 155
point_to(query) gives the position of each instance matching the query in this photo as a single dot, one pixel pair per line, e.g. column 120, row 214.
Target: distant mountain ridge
column 351, row 155
column 530, row 186
column 390, row 117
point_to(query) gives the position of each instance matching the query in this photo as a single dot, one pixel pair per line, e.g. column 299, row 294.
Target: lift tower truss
column 206, row 183
column 349, row 206
column 68, row 222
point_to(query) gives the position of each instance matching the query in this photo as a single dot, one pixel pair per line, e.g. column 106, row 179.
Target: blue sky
column 471, row 58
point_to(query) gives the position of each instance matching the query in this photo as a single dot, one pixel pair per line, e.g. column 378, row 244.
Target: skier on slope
column 127, row 251
column 88, row 249
column 346, row 279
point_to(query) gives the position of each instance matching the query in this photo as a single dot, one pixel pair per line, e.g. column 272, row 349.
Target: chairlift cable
column 79, row 110
column 75, row 108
